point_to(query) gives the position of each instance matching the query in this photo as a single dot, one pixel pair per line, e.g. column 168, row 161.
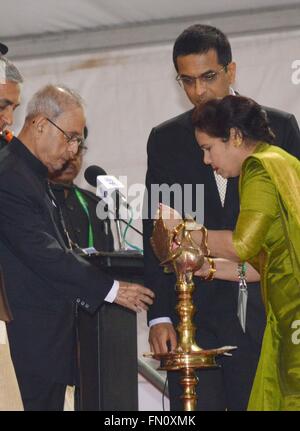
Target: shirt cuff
column 111, row 296
column 159, row 320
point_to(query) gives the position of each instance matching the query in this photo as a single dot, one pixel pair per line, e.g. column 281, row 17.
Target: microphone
column 107, row 188
column 91, row 173
column 107, row 185
column 3, row 49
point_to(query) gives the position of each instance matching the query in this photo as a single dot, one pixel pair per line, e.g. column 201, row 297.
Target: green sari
column 267, row 235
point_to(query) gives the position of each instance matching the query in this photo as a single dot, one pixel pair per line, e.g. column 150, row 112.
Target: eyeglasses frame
column 194, row 79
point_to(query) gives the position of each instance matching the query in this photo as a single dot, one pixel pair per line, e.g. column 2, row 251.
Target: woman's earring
column 238, row 141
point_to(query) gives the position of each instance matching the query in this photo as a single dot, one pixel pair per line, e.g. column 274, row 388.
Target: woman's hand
column 203, row 272
column 227, row 270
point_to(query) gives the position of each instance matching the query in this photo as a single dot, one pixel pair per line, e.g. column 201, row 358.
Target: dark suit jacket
column 5, row 312
column 76, row 219
column 175, row 157
column 43, row 279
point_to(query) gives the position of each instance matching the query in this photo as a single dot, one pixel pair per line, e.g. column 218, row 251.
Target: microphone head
column 3, row 49
column 91, row 173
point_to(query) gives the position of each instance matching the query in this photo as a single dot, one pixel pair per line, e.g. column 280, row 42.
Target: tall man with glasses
column 45, row 280
column 203, row 61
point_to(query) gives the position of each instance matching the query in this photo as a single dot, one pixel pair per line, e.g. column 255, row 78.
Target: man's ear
column 231, row 72
column 40, row 123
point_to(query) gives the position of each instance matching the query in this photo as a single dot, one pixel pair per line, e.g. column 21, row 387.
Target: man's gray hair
column 9, row 72
column 52, row 100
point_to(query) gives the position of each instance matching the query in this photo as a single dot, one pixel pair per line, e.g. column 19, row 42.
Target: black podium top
column 127, row 265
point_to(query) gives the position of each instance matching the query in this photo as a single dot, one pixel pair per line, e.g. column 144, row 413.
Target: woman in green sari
column 236, row 140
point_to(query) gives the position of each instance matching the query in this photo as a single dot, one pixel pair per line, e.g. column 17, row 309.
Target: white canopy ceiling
column 50, row 27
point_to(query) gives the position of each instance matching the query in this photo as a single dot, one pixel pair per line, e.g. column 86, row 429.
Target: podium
column 107, row 342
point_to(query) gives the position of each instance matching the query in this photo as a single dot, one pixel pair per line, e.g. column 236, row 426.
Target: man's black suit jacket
column 77, row 221
column 44, row 280
column 175, row 157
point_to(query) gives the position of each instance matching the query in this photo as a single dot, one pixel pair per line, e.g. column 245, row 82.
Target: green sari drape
column 267, row 235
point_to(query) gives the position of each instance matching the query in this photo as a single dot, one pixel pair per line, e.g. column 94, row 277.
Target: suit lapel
column 54, row 212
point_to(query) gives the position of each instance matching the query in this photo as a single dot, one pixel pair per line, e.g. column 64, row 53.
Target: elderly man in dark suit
column 45, row 280
column 203, row 60
column 10, row 93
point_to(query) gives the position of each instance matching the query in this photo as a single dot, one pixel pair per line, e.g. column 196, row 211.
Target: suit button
column 87, row 306
column 82, row 303
column 78, row 300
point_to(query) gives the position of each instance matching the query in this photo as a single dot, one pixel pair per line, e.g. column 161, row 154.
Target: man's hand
column 134, row 296
column 159, row 336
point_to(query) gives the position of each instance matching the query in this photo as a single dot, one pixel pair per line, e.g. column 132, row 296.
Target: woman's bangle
column 212, row 269
column 241, row 268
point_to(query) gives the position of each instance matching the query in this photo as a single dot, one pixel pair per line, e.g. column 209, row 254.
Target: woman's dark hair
column 217, row 116
column 199, row 39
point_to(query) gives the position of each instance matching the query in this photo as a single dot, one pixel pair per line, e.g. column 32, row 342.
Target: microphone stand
column 131, row 227
column 118, row 226
column 117, row 219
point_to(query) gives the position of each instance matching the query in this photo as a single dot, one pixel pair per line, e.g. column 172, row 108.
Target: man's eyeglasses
column 207, row 78
column 70, row 139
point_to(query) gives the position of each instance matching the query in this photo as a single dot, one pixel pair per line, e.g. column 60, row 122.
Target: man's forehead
column 2, row 72
column 201, row 61
column 72, row 115
column 9, row 90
